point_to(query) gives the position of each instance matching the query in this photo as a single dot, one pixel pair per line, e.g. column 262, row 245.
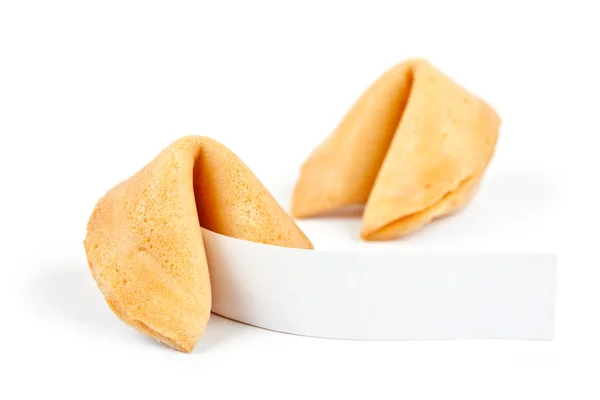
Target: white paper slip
column 382, row 296
column 488, row 272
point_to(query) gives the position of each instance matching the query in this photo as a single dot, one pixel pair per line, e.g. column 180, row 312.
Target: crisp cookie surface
column 144, row 243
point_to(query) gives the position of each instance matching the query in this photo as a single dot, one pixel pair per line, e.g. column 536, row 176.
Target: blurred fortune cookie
column 414, row 147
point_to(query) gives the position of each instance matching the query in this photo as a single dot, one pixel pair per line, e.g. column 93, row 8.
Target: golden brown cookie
column 144, row 243
column 413, row 148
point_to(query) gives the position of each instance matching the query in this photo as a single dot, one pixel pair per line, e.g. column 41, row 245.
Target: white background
column 91, row 91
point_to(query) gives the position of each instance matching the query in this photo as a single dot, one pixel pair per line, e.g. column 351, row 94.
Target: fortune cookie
column 414, row 147
column 144, row 243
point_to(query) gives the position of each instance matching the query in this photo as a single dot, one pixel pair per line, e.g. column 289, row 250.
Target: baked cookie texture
column 144, row 243
column 413, row 148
